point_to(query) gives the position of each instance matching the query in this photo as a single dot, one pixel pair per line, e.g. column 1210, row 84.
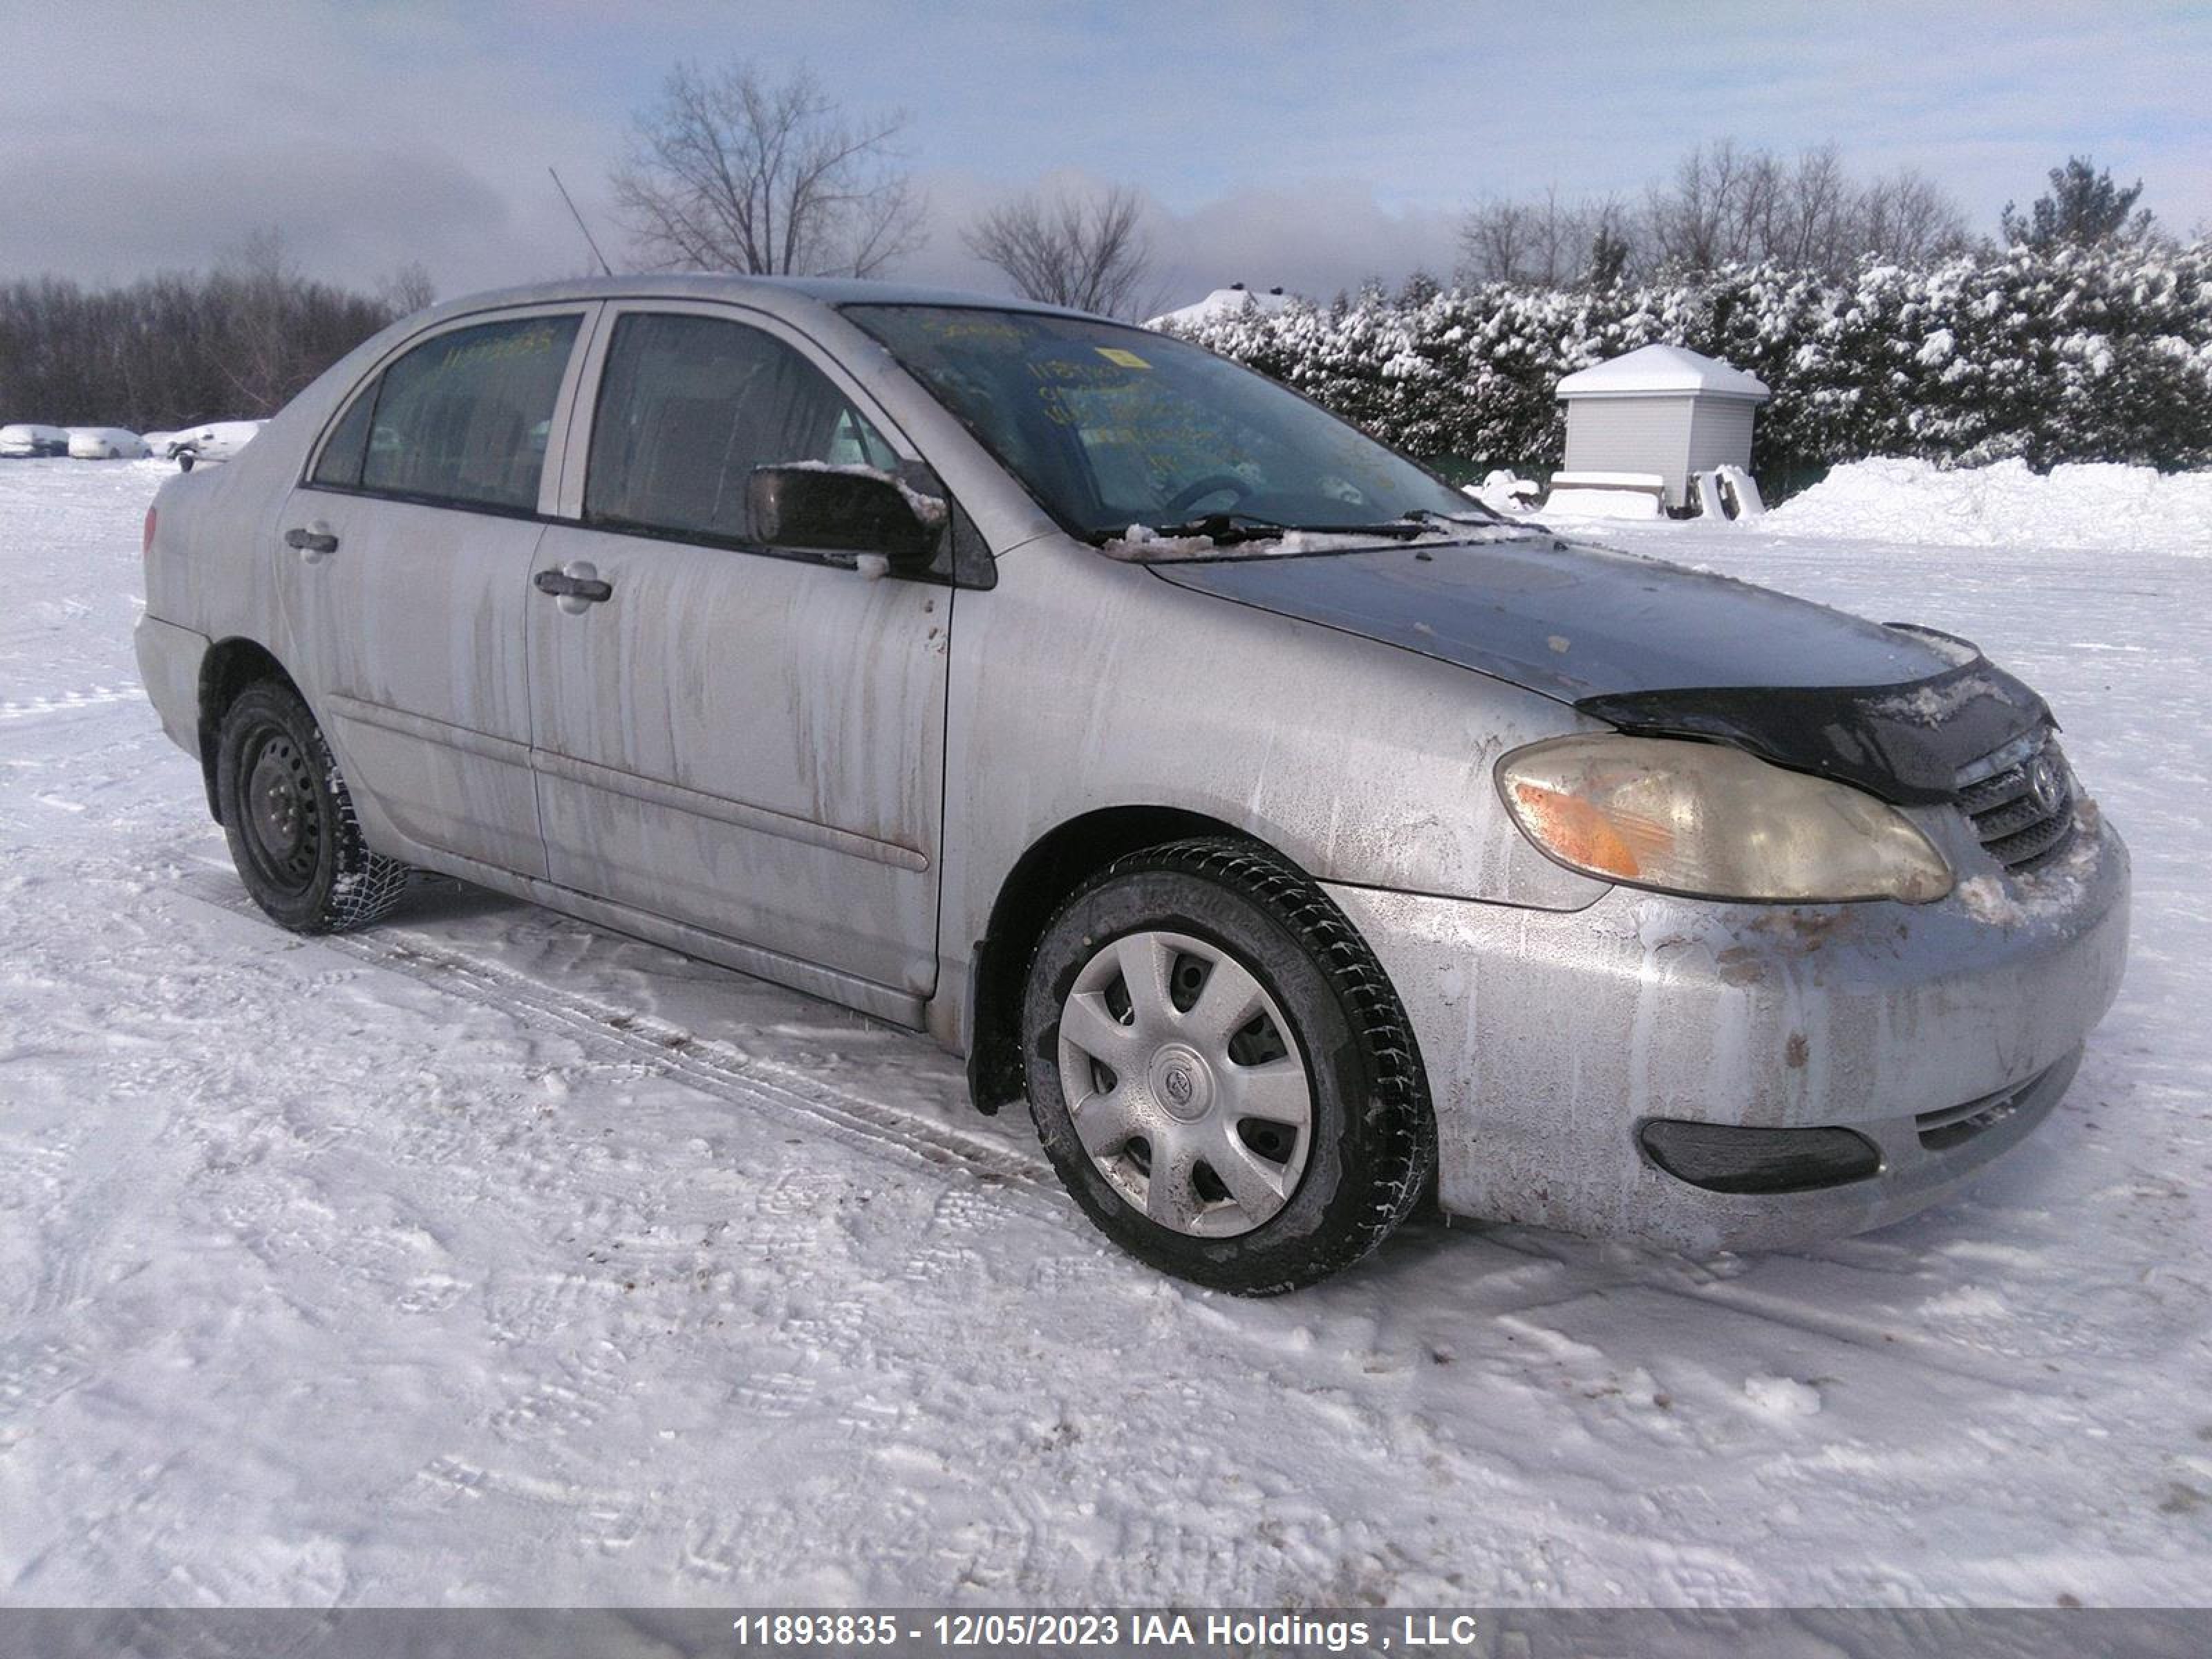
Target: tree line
column 165, row 352
column 1729, row 205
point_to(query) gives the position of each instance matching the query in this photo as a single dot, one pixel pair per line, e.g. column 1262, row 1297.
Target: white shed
column 1660, row 409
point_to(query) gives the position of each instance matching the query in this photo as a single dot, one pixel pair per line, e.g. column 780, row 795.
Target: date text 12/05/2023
column 1196, row 1632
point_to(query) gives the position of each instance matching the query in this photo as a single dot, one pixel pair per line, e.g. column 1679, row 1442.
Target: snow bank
column 2098, row 506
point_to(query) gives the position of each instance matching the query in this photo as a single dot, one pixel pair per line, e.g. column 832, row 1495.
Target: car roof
column 788, row 296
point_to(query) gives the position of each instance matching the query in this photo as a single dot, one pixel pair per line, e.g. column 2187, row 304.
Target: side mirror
column 857, row 510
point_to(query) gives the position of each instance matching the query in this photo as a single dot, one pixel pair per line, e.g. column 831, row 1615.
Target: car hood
column 1656, row 647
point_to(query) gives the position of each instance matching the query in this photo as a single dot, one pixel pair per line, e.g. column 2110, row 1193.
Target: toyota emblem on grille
column 2045, row 786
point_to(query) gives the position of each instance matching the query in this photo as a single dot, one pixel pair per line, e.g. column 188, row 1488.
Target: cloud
column 1310, row 236
column 1275, row 143
column 347, row 209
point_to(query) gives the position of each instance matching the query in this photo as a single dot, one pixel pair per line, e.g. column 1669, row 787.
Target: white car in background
column 22, row 441
column 218, row 441
column 105, row 443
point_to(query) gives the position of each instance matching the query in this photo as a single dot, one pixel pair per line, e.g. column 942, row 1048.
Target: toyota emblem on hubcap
column 1177, row 1084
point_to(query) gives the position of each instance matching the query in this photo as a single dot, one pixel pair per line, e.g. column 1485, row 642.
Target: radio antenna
column 580, row 225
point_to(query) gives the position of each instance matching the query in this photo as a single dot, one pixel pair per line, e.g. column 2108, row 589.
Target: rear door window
column 464, row 419
column 689, row 405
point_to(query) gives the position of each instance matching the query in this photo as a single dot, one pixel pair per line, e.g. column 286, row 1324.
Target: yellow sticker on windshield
column 1115, row 354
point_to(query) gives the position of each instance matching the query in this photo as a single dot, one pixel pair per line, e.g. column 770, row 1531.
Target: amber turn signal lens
column 1576, row 831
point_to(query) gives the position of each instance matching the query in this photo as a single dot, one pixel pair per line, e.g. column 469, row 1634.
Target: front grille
column 2020, row 800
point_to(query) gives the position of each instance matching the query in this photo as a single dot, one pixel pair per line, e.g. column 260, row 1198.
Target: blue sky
column 1311, row 145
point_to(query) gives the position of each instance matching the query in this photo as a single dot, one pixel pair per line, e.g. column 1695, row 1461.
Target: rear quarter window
column 344, row 451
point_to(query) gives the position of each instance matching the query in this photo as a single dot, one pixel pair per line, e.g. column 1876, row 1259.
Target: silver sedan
column 1297, row 838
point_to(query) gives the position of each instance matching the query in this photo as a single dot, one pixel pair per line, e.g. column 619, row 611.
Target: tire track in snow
column 68, row 702
column 656, row 1046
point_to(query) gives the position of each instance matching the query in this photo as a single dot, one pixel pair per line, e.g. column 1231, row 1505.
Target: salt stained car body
column 1296, row 836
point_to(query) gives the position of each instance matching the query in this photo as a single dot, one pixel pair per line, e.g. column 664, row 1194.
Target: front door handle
column 576, row 585
column 310, row 542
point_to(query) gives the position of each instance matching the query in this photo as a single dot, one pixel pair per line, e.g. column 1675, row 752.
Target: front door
column 405, row 580
column 740, row 737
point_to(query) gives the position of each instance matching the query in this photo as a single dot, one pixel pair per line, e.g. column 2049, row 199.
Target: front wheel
column 1220, row 1072
column 290, row 821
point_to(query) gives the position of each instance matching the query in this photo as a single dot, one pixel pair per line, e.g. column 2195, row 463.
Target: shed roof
column 1223, row 301
column 1656, row 369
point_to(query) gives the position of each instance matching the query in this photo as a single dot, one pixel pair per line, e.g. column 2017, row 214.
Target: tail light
column 146, row 547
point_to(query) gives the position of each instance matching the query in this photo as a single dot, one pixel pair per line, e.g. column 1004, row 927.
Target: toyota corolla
column 1297, row 838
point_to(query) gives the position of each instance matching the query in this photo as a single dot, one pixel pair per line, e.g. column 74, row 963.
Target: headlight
column 1713, row 823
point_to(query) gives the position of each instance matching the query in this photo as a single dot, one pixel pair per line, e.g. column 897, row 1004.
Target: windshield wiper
column 1223, row 529
column 1402, row 529
column 1228, row 529
column 1477, row 514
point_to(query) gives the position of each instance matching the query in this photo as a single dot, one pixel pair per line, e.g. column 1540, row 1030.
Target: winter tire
column 290, row 821
column 1220, row 1072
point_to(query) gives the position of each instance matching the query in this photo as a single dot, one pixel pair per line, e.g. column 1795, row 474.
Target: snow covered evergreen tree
column 2065, row 354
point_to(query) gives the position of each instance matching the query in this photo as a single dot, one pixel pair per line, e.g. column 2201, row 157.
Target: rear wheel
column 290, row 820
column 1221, row 1073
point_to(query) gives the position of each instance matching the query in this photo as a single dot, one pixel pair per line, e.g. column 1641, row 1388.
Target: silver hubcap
column 1185, row 1084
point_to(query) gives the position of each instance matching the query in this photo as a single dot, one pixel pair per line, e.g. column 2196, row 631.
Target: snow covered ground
column 490, row 1258
column 2100, row 506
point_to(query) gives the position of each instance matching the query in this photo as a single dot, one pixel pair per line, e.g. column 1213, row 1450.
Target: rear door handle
column 576, row 585
column 311, row 541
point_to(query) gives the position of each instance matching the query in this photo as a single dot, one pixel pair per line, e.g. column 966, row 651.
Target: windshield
column 1114, row 429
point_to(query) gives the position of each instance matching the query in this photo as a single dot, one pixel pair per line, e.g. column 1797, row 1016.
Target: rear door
column 743, row 738
column 406, row 578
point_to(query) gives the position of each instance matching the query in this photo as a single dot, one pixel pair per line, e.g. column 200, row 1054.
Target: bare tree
column 1545, row 242
column 732, row 170
column 262, row 282
column 1725, row 204
column 1493, row 242
column 408, row 289
column 1722, row 204
column 1693, row 219
column 1087, row 251
column 1909, row 218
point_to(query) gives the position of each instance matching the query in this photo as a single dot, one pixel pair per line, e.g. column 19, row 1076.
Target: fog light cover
column 1723, row 1158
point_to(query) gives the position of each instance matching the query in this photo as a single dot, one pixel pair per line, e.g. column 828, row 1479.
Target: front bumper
column 1550, row 1039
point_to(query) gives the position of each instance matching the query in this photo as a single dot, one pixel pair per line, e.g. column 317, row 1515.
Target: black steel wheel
column 290, row 820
